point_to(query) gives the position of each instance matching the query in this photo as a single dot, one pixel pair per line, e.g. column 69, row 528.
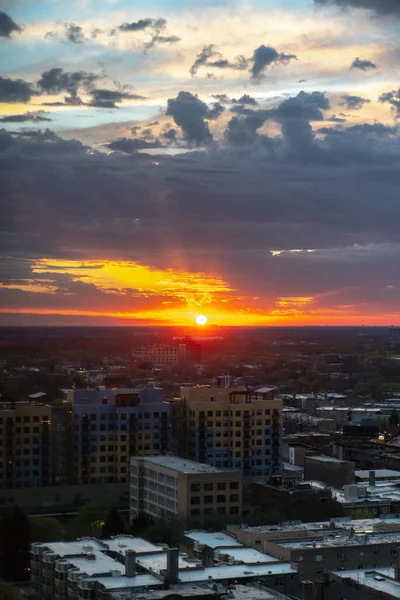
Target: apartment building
column 24, row 444
column 176, row 488
column 230, row 427
column 112, row 425
column 125, row 567
column 339, row 552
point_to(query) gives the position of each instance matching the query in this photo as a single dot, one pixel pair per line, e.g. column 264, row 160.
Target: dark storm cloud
column 380, row 7
column 74, row 33
column 353, row 102
column 170, row 135
column 141, row 24
column 57, row 80
column 131, row 146
column 265, row 56
column 15, row 90
column 189, row 113
column 103, row 98
column 223, row 98
column 227, row 207
column 7, row 25
column 392, row 98
column 34, row 117
column 362, row 64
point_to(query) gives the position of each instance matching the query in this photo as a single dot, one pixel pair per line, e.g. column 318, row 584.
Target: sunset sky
column 170, row 158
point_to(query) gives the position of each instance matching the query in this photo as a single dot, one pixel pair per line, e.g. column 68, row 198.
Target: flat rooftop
column 379, row 474
column 346, row 523
column 381, row 580
column 327, row 459
column 342, row 539
column 219, row 539
column 223, row 572
column 158, row 562
column 121, row 582
column 182, row 465
column 248, row 556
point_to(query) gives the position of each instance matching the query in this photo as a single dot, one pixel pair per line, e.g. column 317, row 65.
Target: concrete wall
column 334, row 473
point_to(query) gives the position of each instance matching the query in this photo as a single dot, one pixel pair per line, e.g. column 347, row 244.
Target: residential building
column 124, row 567
column 112, row 425
column 25, row 444
column 176, row 488
column 373, row 584
column 342, row 551
column 230, row 427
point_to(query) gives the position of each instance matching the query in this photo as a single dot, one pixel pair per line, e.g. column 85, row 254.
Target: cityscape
column 200, row 300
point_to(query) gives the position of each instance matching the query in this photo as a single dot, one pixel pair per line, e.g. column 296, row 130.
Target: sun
column 201, row 320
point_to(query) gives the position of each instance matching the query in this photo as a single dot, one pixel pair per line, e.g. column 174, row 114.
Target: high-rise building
column 112, row 425
column 24, row 444
column 169, row 487
column 230, row 427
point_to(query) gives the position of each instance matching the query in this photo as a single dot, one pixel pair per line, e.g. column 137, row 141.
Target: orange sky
column 127, row 292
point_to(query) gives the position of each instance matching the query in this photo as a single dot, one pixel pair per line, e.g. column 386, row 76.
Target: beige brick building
column 174, row 488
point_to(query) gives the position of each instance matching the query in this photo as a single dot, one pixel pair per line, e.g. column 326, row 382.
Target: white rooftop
column 379, row 474
column 379, row 579
column 182, row 465
column 248, row 556
column 223, row 572
column 121, row 543
column 158, row 562
column 140, row 580
column 343, row 539
column 213, row 540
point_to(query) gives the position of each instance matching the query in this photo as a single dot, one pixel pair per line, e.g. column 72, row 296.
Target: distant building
column 373, row 584
column 163, row 355
column 25, row 450
column 230, row 427
column 112, row 425
column 170, row 487
column 329, row 470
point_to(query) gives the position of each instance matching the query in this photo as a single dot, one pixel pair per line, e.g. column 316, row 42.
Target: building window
column 195, row 512
column 195, row 487
column 234, row 510
column 208, row 499
column 208, row 487
column 221, row 498
column 221, row 485
column 234, row 498
column 221, row 510
column 195, row 500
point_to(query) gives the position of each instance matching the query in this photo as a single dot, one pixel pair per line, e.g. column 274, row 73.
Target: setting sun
column 201, row 320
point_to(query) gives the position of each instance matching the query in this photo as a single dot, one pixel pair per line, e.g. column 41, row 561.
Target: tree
column 15, row 545
column 114, row 524
column 89, row 521
column 45, row 529
column 360, row 513
column 9, row 592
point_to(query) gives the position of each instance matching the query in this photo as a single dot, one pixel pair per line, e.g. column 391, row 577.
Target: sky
column 165, row 159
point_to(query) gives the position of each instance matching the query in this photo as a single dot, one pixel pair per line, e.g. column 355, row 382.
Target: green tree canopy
column 114, row 524
column 45, row 529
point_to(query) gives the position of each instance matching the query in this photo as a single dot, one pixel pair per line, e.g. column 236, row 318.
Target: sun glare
column 201, row 320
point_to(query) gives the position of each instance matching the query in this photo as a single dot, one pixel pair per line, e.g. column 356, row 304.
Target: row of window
column 211, row 499
column 209, row 486
column 227, row 413
column 208, row 511
column 125, row 416
column 27, row 419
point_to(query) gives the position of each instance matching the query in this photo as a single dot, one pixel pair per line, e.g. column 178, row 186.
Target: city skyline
column 237, row 160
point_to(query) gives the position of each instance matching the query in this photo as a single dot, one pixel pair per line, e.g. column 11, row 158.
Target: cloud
column 363, row 65
column 103, row 98
column 142, row 24
column 305, row 105
column 132, row 145
column 15, row 90
column 204, row 57
column 36, row 117
column 392, row 98
column 264, row 57
column 74, row 33
column 380, row 7
column 170, row 134
column 189, row 113
column 216, row 111
column 245, row 99
column 57, row 80
column 7, row 25
column 353, row 102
